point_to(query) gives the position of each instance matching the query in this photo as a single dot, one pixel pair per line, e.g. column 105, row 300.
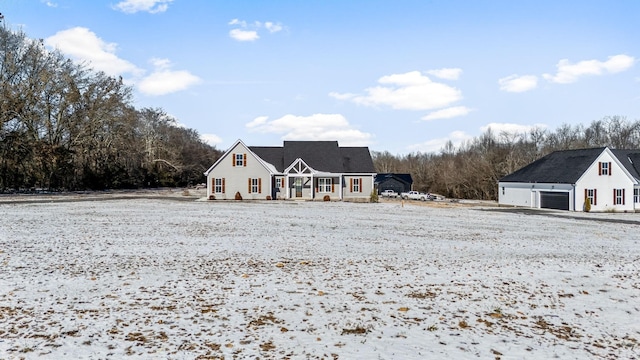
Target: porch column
column 286, row 184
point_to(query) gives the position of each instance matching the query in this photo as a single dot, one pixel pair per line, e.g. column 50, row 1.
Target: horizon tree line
column 64, row 126
column 472, row 170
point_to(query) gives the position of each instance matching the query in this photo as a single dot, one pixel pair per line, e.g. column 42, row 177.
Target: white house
column 305, row 170
column 565, row 179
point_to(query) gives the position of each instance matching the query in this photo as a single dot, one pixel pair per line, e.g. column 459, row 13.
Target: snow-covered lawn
column 160, row 278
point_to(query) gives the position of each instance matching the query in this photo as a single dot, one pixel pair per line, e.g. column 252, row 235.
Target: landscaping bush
column 238, row 196
column 326, row 198
column 374, row 196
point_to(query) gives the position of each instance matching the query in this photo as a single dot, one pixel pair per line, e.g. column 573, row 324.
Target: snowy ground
column 161, row 278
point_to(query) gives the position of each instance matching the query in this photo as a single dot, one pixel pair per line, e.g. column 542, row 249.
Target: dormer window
column 604, row 168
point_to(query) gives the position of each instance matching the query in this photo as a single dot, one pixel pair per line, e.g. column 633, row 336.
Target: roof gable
column 269, row 167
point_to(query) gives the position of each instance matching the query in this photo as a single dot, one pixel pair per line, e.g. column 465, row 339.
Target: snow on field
column 154, row 278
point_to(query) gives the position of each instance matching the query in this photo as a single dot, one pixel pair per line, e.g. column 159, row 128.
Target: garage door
column 554, row 200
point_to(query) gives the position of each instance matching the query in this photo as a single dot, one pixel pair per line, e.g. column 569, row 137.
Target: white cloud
column 151, row 6
column 436, row 145
column 211, row 139
column 249, row 32
column 446, row 73
column 238, row 22
column 447, row 113
column 244, row 35
column 81, row 44
column 569, row 73
column 49, row 3
column 272, row 27
column 516, row 83
column 345, row 96
column 408, row 91
column 257, row 122
column 314, row 127
column 165, row 81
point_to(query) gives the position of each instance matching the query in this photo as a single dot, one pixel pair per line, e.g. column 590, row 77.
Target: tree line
column 64, row 126
column 472, row 170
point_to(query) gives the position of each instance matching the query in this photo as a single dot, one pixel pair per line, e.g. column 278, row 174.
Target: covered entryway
column 558, row 200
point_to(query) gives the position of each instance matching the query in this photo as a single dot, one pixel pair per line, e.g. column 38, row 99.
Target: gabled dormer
column 299, row 167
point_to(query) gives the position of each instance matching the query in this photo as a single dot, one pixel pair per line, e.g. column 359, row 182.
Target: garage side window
column 592, row 195
column 636, row 196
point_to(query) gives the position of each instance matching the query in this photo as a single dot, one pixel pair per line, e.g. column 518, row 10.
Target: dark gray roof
column 406, row 178
column 564, row 167
column 270, row 154
column 357, row 160
column 631, row 161
column 320, row 155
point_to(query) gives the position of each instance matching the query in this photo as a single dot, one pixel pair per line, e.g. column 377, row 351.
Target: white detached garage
column 563, row 180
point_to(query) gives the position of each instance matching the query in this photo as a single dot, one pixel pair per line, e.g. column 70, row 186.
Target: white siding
column 236, row 177
column 366, row 187
column 528, row 194
column 605, row 184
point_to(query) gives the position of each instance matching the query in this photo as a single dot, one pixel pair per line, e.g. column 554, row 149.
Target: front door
column 298, row 185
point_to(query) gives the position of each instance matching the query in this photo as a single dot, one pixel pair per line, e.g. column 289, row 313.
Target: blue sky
column 401, row 76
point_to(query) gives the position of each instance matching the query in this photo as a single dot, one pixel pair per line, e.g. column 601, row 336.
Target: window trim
column 218, row 186
column 592, row 195
column 356, row 186
column 255, row 185
column 326, row 186
column 240, row 159
column 618, row 196
column 604, row 168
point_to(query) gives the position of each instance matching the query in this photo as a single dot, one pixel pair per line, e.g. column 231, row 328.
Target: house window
column 591, row 194
column 636, row 195
column 324, row 185
column 604, row 168
column 278, row 183
column 618, row 196
column 255, row 186
column 240, row 160
column 355, row 185
column 218, row 185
